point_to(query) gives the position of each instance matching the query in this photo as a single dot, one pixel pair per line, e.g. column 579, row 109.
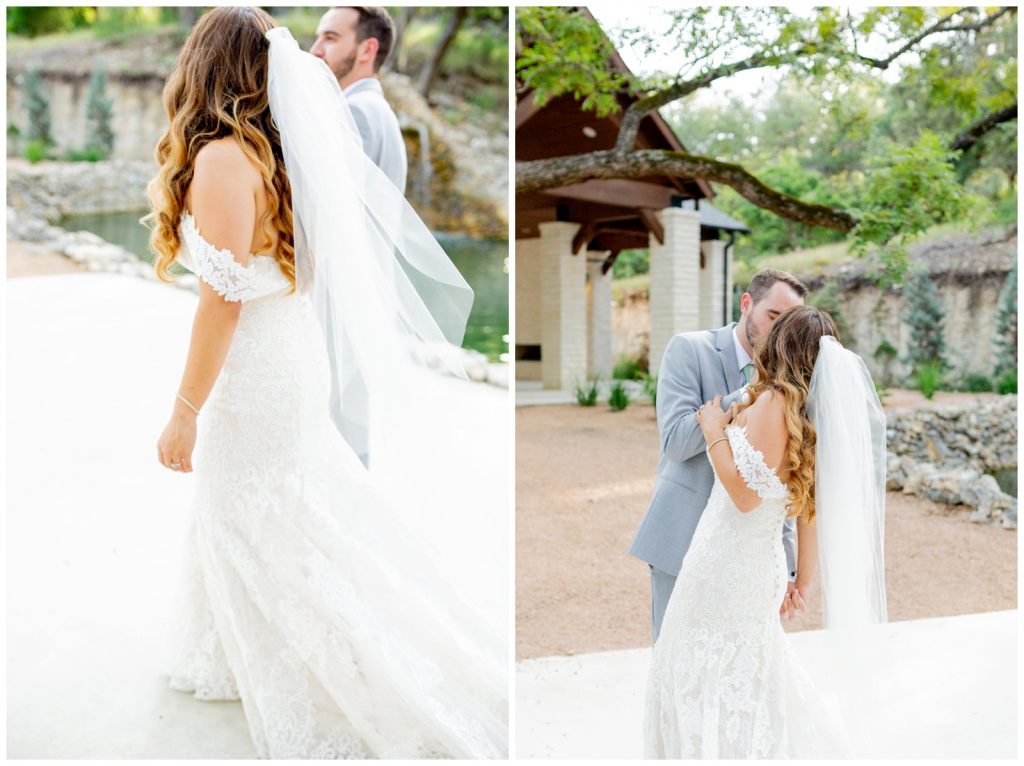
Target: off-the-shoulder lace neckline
column 187, row 216
column 743, row 430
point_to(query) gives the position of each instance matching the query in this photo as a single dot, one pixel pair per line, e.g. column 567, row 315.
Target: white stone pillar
column 675, row 280
column 563, row 307
column 728, row 282
column 528, row 304
column 599, row 317
column 712, row 284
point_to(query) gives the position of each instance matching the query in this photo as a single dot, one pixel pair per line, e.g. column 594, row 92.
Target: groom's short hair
column 765, row 278
column 376, row 22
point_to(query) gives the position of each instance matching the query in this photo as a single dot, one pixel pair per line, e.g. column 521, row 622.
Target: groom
column 355, row 42
column 696, row 367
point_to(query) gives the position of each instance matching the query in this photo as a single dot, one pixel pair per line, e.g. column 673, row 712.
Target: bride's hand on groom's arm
column 712, row 418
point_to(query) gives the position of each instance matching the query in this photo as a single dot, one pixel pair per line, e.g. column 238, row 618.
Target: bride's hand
column 712, row 418
column 174, row 449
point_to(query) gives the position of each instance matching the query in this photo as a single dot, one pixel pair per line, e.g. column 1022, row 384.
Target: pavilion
column 567, row 239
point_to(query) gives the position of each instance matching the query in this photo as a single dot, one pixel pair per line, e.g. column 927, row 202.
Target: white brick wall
column 599, row 316
column 563, row 307
column 675, row 280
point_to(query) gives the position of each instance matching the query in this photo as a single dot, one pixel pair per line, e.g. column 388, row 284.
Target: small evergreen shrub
column 99, row 114
column 924, row 316
column 1007, row 383
column 37, row 106
column 618, row 399
column 35, row 151
column 1006, row 325
column 586, row 396
column 975, row 383
column 928, row 377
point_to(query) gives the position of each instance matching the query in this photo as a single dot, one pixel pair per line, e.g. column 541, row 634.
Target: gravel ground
column 583, row 480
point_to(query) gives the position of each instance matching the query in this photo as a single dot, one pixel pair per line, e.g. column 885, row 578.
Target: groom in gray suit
column 698, row 366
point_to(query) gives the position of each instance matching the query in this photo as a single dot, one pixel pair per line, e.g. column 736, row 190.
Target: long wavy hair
column 219, row 89
column 785, row 359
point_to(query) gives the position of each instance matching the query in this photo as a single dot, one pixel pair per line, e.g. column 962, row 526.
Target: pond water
column 1006, row 478
column 481, row 261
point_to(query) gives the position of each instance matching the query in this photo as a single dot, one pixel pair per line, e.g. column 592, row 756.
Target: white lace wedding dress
column 724, row 682
column 301, row 596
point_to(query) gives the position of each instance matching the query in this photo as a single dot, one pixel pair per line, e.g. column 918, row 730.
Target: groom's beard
column 344, row 66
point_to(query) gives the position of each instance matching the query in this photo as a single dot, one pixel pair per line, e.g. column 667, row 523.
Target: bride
column 312, row 590
column 808, row 442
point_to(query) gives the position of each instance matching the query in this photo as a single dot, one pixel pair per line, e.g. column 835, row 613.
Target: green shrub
column 1006, row 325
column 651, row 388
column 1007, row 383
column 37, row 106
column 99, row 112
column 35, row 150
column 628, row 369
column 618, row 399
column 975, row 383
column 89, row 154
column 928, row 377
column 586, row 396
column 924, row 315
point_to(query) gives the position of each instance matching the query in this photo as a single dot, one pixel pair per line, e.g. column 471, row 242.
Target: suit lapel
column 727, row 354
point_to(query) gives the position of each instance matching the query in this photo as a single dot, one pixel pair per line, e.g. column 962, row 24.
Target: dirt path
column 23, row 262
column 583, row 480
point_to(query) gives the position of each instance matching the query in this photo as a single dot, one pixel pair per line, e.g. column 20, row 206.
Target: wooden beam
column 609, row 261
column 651, row 222
column 583, row 237
column 526, row 108
column 617, row 191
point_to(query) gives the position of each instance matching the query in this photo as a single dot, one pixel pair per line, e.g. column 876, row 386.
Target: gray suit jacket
column 697, row 366
column 379, row 128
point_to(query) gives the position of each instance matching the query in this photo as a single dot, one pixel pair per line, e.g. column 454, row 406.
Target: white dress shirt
column 378, row 125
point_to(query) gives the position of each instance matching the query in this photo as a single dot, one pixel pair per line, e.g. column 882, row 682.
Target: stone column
column 528, row 303
column 712, row 284
column 599, row 317
column 563, row 307
column 675, row 280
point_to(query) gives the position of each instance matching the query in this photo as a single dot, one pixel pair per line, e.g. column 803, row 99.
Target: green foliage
column 928, row 377
column 36, row 150
column 975, row 383
column 629, row 263
column 586, row 396
column 886, row 354
column 1006, row 324
column 924, row 316
column 1007, row 382
column 99, row 113
column 906, row 192
column 33, row 21
column 826, row 298
column 651, row 388
column 618, row 399
column 89, row 154
column 37, row 107
column 629, row 369
column 563, row 52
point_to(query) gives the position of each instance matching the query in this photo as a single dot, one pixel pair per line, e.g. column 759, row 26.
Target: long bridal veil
column 849, row 496
column 393, row 309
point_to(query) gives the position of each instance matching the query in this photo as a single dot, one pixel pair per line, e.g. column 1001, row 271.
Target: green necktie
column 748, row 372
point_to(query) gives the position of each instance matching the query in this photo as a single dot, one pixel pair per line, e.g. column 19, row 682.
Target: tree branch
column 973, row 134
column 538, row 175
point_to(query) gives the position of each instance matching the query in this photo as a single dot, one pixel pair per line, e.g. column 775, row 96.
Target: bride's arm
column 766, row 431
column 224, row 207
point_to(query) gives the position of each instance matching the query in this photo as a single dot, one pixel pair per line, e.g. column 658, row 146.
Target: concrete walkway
column 948, row 685
column 94, row 522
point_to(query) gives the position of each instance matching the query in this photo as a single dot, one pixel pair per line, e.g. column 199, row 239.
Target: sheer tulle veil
column 393, row 309
column 850, row 517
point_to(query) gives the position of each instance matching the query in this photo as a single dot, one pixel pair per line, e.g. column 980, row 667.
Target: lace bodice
column 218, row 268
column 751, row 464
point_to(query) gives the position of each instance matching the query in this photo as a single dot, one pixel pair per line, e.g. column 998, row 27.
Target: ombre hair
column 218, row 89
column 785, row 359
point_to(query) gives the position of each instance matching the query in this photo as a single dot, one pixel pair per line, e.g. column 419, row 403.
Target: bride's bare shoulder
column 765, row 422
column 225, row 157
